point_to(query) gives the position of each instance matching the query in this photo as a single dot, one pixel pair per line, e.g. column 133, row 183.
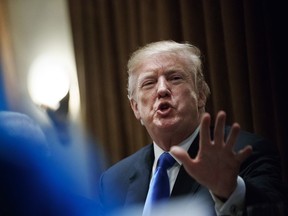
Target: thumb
column 180, row 154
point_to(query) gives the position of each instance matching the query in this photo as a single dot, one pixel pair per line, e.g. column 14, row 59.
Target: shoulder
column 114, row 182
column 258, row 142
column 130, row 163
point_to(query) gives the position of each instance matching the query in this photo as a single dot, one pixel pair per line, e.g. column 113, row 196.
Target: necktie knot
column 165, row 161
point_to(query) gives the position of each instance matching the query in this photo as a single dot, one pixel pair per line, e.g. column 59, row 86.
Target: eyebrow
column 148, row 74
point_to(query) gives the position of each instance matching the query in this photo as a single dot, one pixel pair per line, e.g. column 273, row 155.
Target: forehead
column 161, row 62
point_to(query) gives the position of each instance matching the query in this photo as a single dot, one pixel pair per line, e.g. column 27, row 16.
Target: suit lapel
column 185, row 184
column 140, row 177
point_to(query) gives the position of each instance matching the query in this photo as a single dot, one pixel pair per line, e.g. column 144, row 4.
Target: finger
column 232, row 137
column 184, row 157
column 180, row 154
column 219, row 128
column 244, row 153
column 205, row 138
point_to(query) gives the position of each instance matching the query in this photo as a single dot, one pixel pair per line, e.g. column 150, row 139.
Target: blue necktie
column 159, row 186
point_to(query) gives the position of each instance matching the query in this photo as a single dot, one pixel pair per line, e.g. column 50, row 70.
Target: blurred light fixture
column 48, row 80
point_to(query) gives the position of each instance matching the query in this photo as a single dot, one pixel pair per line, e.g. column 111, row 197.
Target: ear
column 134, row 107
column 201, row 100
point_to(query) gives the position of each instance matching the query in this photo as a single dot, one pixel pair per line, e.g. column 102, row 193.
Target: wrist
column 224, row 193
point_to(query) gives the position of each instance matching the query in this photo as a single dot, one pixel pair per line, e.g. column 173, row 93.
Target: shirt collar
column 185, row 144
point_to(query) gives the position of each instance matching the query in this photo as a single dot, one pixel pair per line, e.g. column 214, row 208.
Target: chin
column 166, row 124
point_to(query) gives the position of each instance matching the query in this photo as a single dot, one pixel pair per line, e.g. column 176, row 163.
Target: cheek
column 145, row 102
column 147, row 97
column 188, row 99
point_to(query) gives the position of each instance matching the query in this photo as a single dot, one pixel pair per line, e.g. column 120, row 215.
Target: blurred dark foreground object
column 31, row 183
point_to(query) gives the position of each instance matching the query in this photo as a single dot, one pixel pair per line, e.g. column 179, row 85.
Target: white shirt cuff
column 235, row 204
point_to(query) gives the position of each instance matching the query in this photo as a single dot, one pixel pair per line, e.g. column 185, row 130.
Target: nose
column 163, row 89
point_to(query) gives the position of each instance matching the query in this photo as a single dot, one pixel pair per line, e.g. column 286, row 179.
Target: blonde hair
column 190, row 53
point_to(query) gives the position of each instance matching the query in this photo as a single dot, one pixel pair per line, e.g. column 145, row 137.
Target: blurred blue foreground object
column 31, row 183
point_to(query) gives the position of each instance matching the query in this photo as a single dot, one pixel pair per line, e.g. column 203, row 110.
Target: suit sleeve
column 263, row 179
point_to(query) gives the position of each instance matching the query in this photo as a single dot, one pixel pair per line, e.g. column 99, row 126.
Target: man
column 168, row 94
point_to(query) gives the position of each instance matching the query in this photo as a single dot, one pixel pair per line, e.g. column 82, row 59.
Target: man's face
column 165, row 97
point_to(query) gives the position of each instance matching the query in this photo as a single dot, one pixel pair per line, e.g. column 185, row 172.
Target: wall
column 42, row 27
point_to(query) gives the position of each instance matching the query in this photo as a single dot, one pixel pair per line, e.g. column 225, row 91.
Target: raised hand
column 216, row 165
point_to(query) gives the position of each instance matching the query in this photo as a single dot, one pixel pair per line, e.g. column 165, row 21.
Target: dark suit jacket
column 126, row 183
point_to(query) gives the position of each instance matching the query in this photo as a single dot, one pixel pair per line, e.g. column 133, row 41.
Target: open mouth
column 164, row 109
column 164, row 106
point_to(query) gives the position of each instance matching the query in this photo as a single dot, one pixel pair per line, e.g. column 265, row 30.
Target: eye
column 176, row 78
column 148, row 83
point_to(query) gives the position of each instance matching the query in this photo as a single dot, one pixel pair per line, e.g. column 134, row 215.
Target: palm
column 216, row 165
